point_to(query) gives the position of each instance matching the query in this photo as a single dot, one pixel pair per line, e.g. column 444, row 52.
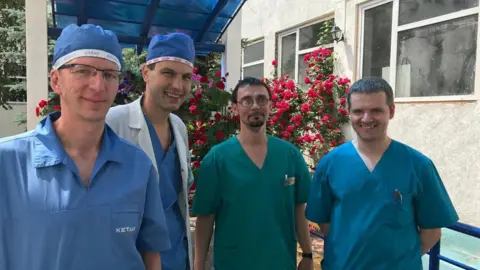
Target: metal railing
column 434, row 253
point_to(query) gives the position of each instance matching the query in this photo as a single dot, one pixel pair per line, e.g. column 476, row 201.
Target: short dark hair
column 247, row 82
column 370, row 85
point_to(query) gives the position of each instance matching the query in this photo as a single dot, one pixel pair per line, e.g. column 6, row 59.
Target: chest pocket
column 400, row 210
column 125, row 226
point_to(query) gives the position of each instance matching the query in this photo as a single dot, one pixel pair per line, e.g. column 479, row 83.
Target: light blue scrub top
column 371, row 226
column 50, row 221
column 170, row 176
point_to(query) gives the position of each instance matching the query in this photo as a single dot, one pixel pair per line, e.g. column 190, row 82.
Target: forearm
column 152, row 261
column 429, row 238
column 203, row 236
column 302, row 230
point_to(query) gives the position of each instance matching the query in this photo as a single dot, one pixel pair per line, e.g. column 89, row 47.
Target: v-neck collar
column 380, row 161
column 248, row 157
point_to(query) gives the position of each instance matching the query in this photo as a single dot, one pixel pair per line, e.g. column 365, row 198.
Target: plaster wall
column 447, row 132
column 7, row 118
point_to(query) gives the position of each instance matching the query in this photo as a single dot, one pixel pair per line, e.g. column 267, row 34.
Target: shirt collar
column 48, row 149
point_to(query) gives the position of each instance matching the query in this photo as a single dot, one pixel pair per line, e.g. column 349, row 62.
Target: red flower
column 287, row 95
column 290, row 128
column 217, row 117
column 42, row 103
column 204, row 79
column 306, row 57
column 57, row 108
column 192, row 108
column 287, row 134
column 195, row 70
column 328, row 85
column 196, row 164
column 343, row 101
column 307, row 80
column 342, row 111
column 343, row 81
column 312, row 93
column 219, row 73
column 297, row 118
column 220, row 85
column 325, row 52
column 290, row 85
column 325, row 119
column 219, row 135
column 305, row 107
column 274, row 62
column 37, row 111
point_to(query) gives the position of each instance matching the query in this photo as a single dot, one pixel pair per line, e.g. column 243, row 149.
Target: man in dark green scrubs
column 253, row 187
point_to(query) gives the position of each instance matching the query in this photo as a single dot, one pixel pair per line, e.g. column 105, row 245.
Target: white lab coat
column 128, row 122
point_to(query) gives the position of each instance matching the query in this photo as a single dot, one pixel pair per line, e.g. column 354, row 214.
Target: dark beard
column 254, row 125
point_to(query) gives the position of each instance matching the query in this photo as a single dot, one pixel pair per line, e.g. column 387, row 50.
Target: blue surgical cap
column 171, row 47
column 87, row 40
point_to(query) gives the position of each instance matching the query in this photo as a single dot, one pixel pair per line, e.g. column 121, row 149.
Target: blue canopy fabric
column 136, row 21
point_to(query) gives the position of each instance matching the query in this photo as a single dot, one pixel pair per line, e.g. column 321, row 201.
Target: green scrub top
column 253, row 207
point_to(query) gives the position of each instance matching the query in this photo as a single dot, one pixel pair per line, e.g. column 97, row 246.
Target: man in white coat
column 149, row 123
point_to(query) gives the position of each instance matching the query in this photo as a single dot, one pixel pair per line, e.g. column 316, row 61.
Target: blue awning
column 136, row 21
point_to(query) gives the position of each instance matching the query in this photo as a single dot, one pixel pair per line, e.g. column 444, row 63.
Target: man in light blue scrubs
column 380, row 203
column 150, row 124
column 73, row 194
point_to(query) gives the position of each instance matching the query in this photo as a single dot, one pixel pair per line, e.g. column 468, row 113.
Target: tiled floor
column 317, row 244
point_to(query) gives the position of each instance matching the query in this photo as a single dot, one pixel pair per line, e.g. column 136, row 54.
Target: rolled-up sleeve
column 153, row 235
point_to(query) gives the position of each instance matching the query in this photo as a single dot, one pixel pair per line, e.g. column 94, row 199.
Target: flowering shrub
column 207, row 116
column 310, row 118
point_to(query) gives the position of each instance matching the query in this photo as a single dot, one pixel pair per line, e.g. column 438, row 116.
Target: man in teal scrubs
column 254, row 188
column 380, row 203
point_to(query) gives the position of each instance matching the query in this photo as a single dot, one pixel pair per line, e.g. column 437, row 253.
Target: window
column 296, row 43
column 253, row 55
column 432, row 45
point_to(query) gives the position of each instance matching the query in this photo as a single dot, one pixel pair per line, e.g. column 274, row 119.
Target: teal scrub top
column 374, row 215
column 254, row 208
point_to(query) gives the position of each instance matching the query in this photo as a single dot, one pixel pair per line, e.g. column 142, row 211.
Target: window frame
column 254, row 63
column 409, row 26
column 298, row 52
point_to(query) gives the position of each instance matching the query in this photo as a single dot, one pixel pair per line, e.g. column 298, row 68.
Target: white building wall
column 7, row 119
column 447, row 132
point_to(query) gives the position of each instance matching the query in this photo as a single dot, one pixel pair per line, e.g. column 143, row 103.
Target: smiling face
column 84, row 93
column 253, row 106
column 370, row 115
column 168, row 84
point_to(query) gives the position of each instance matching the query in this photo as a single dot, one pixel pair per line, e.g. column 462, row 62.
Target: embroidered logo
column 125, row 229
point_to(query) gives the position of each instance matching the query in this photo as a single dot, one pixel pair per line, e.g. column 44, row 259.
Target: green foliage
column 325, row 32
column 12, row 55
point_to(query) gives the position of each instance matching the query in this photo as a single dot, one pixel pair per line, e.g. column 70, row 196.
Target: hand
column 305, row 264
